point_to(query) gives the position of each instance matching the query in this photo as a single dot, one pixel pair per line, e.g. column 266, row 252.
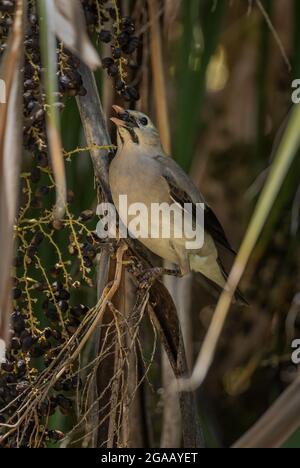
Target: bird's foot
column 176, row 272
column 148, row 277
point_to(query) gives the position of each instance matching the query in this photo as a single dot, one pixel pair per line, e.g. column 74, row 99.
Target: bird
column 145, row 174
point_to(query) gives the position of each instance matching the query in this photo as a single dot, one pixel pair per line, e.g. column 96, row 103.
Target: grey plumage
column 146, row 175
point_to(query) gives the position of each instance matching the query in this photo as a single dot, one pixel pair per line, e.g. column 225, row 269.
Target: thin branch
column 95, row 128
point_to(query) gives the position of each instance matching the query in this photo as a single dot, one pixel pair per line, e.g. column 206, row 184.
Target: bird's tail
column 214, row 271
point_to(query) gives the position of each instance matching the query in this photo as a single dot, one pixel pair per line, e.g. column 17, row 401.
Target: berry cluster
column 70, row 85
column 54, row 261
column 104, row 20
column 46, row 312
column 7, row 8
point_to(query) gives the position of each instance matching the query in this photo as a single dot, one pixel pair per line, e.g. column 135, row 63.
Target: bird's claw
column 148, row 278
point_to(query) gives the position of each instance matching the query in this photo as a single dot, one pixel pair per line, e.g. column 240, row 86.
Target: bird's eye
column 144, row 121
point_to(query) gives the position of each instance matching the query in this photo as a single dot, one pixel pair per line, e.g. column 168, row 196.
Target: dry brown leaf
column 10, row 155
column 164, row 315
column 70, row 27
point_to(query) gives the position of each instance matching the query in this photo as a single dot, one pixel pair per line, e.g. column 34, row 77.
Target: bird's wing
column 182, row 191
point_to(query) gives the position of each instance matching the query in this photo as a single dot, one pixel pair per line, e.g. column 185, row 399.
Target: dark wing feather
column 176, row 193
column 212, row 224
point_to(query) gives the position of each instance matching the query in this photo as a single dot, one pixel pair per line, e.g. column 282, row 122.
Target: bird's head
column 135, row 128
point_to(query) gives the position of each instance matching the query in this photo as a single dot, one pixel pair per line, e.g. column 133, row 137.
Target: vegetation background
column 216, row 76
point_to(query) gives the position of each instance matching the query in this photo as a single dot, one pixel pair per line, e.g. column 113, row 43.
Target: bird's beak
column 123, row 119
column 119, row 110
column 119, row 121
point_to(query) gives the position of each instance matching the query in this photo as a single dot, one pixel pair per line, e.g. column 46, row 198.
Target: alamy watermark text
column 157, row 221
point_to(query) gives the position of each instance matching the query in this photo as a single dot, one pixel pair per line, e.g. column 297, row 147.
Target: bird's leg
column 148, row 277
